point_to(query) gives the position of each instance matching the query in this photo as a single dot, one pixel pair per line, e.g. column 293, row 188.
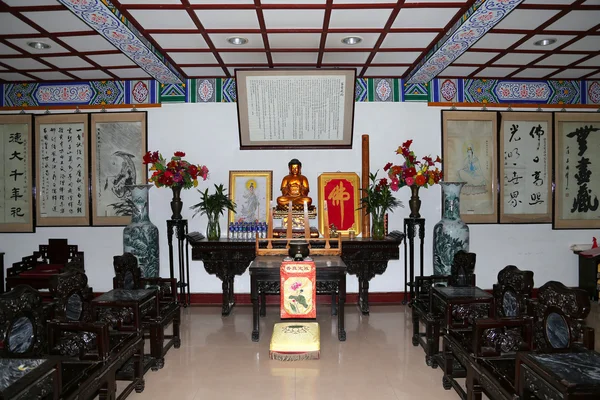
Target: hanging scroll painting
column 118, row 146
column 61, row 155
column 577, row 171
column 525, row 167
column 16, row 179
column 469, row 152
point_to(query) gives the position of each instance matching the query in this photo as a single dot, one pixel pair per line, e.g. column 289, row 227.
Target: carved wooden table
column 22, row 378
column 553, row 376
column 265, row 278
column 364, row 257
column 124, row 309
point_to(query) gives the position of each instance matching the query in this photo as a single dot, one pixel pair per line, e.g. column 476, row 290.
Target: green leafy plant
column 378, row 197
column 213, row 204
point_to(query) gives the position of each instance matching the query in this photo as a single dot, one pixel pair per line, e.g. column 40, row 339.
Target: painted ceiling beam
column 471, row 27
column 105, row 18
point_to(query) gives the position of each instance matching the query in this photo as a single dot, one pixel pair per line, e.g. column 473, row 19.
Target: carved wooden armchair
column 461, row 274
column 52, row 258
column 128, row 276
column 558, row 326
column 497, row 338
column 25, row 333
column 71, row 307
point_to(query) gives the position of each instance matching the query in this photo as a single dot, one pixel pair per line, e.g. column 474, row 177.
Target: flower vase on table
column 140, row 237
column 415, row 202
column 451, row 234
column 213, row 205
column 377, row 201
column 213, row 229
column 377, row 224
column 176, row 203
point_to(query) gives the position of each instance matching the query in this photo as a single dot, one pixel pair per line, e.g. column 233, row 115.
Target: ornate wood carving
column 520, row 283
column 462, row 313
column 462, row 272
column 503, row 340
column 536, row 386
column 65, row 285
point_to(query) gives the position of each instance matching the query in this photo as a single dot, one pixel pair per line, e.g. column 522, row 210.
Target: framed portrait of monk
column 576, row 170
column 339, row 195
column 469, row 141
column 252, row 192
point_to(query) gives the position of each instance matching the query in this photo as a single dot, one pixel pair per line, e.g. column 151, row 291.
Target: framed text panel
column 469, row 152
column 295, row 109
column 252, row 193
column 61, row 155
column 525, row 167
column 118, row 145
column 16, row 176
column 576, row 170
column 340, row 190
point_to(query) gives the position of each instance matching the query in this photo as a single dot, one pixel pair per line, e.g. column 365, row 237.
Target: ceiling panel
column 192, row 35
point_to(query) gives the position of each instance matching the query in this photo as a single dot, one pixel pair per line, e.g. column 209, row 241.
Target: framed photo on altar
column 16, row 177
column 576, row 170
column 525, row 167
column 340, row 192
column 61, row 154
column 252, row 193
column 295, row 109
column 118, row 145
column 469, row 152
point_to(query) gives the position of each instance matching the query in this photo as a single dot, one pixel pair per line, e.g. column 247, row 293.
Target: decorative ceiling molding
column 471, row 27
column 105, row 18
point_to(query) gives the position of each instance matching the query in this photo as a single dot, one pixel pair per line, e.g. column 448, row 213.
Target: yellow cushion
column 293, row 341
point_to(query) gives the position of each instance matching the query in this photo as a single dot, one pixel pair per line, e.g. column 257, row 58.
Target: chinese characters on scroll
column 62, row 188
column 525, row 172
column 15, row 185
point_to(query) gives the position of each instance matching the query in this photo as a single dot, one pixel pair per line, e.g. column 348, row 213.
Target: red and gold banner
column 340, row 190
column 298, row 289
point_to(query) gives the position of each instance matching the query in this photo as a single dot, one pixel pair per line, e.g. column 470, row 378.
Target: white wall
column 208, row 134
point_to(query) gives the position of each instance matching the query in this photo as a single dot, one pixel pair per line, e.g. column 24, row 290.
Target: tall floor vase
column 141, row 236
column 451, row 234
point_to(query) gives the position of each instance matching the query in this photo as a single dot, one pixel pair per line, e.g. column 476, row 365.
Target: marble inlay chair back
column 462, row 272
column 22, row 323
column 559, row 315
column 128, row 274
column 71, row 296
column 512, row 292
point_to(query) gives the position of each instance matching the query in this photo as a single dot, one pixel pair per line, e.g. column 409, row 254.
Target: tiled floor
column 217, row 360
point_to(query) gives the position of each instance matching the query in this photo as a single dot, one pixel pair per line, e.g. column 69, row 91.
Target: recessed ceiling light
column 545, row 42
column 351, row 40
column 237, row 40
column 39, row 45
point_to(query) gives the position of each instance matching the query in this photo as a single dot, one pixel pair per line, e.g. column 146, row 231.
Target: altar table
column 264, row 278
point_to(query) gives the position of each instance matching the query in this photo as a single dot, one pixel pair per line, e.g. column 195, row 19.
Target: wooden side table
column 554, row 376
column 124, row 309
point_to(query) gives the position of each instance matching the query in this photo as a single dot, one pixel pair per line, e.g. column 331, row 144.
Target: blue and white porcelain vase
column 140, row 238
column 451, row 234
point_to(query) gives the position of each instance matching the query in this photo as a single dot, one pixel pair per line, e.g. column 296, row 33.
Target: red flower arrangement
column 422, row 173
column 174, row 173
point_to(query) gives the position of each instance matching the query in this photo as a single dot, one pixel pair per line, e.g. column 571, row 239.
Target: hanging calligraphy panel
column 525, row 167
column 252, row 193
column 469, row 152
column 118, row 144
column 61, row 155
column 577, row 171
column 16, row 183
column 341, row 192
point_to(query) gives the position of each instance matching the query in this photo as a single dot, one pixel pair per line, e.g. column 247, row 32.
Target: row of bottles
column 247, row 230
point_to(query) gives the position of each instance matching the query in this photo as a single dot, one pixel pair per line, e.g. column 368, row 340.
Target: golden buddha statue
column 294, row 187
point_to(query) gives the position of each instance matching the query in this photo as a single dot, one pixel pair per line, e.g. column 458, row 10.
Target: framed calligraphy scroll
column 341, row 192
column 525, row 168
column 251, row 191
column 61, row 155
column 576, row 170
column 469, row 152
column 118, row 144
column 295, row 109
column 16, row 177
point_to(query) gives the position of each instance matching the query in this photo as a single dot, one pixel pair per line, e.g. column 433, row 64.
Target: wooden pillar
column 366, row 218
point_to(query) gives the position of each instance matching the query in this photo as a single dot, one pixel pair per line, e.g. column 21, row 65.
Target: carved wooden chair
column 128, row 276
column 497, row 338
column 52, row 258
column 558, row 325
column 71, row 306
column 25, row 333
column 461, row 274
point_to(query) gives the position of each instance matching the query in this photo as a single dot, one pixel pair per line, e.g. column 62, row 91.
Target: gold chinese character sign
column 340, row 190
